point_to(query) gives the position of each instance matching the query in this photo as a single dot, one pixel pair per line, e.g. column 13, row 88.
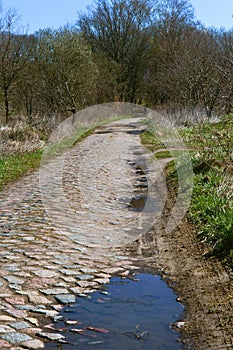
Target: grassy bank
column 211, row 210
column 15, row 165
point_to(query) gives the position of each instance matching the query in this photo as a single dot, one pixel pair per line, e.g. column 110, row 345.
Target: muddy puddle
column 137, row 203
column 127, row 314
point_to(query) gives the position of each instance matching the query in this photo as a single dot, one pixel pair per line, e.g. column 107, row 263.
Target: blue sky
column 36, row 14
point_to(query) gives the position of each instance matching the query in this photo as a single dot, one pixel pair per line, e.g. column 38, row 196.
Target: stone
column 15, row 300
column 51, row 336
column 13, row 269
column 68, row 279
column 15, row 337
column 15, row 287
column 3, row 272
column 54, row 291
column 113, row 270
column 58, row 262
column 32, row 320
column 71, row 322
column 33, row 344
column 38, row 299
column 4, row 318
column 57, row 318
column 65, row 298
column 47, row 313
column 102, row 280
column 23, row 274
column 32, row 330
column 87, row 284
column 13, row 280
column 85, row 277
column 5, row 329
column 21, row 292
column 5, row 295
column 68, row 272
column 20, row 325
column 104, row 292
column 103, row 275
column 50, row 267
column 180, row 324
column 76, row 290
column 26, row 307
column 4, row 344
column 61, row 284
column 57, row 307
column 40, row 307
column 60, row 256
column 132, row 267
column 88, row 270
column 125, row 273
column 16, row 313
column 97, row 342
column 36, row 283
column 72, row 266
column 45, row 273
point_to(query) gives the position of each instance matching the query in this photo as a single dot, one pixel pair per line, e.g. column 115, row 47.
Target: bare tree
column 25, row 93
column 195, row 77
column 12, row 57
column 225, row 68
column 118, row 31
column 171, row 20
column 67, row 72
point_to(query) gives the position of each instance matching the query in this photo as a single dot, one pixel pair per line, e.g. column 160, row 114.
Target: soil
column 203, row 285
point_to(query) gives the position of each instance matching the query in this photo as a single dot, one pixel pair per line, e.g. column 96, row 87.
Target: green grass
column 212, row 204
column 15, row 165
column 150, row 141
column 211, row 210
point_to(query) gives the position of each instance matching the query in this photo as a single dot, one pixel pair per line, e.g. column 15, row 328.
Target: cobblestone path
column 47, row 258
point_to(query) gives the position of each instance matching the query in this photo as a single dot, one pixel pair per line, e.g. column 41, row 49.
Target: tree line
column 148, row 52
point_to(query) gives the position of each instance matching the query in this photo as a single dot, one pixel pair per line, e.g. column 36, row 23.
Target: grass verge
column 211, row 209
column 15, row 165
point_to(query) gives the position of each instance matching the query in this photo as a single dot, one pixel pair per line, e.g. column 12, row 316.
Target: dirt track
column 203, row 285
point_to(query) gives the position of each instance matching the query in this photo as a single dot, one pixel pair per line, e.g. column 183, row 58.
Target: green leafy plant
column 211, row 209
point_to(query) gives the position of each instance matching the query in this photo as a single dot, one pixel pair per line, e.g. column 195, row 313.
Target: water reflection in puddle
column 137, row 203
column 128, row 314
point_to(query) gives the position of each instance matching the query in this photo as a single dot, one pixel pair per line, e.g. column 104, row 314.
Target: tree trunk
column 6, row 103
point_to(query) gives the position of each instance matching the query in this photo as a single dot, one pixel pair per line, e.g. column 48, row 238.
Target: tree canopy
column 142, row 51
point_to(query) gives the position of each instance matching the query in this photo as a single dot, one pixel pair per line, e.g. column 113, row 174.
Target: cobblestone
column 33, row 344
column 65, row 298
column 16, row 337
column 54, row 291
column 46, row 261
column 20, row 325
column 51, row 336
